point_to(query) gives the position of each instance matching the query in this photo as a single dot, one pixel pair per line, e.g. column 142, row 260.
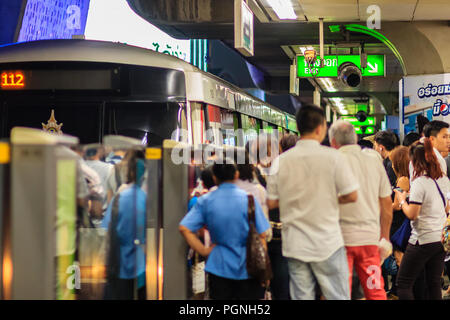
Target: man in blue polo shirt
column 225, row 213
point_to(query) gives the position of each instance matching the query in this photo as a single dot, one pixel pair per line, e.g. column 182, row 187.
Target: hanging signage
column 243, row 28
column 370, row 121
column 427, row 92
column 294, row 82
column 375, row 65
column 366, row 130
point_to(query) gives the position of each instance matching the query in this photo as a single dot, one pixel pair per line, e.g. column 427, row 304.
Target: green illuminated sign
column 375, row 65
column 369, row 130
column 370, row 121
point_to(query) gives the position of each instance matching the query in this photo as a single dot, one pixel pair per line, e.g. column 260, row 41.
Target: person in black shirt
column 385, row 142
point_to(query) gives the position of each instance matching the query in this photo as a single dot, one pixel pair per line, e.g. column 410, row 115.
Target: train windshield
column 90, row 121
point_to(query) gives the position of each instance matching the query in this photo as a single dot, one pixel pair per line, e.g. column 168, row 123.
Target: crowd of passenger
column 340, row 218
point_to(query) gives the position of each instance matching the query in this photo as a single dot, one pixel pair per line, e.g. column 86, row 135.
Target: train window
column 228, row 127
column 250, row 127
column 149, row 122
column 214, row 117
column 82, row 120
column 198, row 123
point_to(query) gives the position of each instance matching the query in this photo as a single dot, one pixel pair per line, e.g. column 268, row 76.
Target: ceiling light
column 338, row 102
column 328, row 85
column 283, row 9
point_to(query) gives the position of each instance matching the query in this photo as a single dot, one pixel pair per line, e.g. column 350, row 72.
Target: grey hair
column 343, row 132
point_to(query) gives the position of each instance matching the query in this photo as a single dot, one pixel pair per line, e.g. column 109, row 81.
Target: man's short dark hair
column 224, row 171
column 207, row 177
column 387, row 139
column 410, row 138
column 246, row 169
column 309, row 117
column 365, row 144
column 432, row 128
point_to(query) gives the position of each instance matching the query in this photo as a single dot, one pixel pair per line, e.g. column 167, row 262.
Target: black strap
column 118, row 178
column 251, row 208
column 113, row 270
column 440, row 192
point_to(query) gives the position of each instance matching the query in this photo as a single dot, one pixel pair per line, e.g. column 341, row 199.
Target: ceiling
column 277, row 42
column 357, row 10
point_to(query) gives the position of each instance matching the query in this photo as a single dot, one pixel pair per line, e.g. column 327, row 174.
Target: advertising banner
column 425, row 92
column 57, row 19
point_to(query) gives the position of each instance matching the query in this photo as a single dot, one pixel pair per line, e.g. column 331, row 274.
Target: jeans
column 280, row 282
column 417, row 257
column 332, row 276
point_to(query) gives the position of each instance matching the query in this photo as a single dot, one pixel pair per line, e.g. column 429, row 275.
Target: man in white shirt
column 360, row 221
column 439, row 136
column 93, row 155
column 307, row 183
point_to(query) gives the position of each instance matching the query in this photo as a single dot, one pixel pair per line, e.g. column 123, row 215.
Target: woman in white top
column 426, row 209
column 246, row 182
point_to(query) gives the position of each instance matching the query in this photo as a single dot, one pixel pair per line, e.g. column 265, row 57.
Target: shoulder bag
column 258, row 263
column 445, row 231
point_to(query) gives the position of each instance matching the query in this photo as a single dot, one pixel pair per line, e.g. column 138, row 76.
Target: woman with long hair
column 427, row 210
column 125, row 222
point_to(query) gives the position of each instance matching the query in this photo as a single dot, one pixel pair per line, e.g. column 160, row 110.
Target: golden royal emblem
column 52, row 125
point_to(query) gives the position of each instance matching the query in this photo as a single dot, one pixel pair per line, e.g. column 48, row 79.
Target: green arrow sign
column 375, row 65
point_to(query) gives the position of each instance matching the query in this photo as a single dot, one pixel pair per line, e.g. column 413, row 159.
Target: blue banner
column 53, row 19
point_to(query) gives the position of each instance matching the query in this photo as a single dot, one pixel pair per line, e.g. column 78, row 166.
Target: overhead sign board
column 370, row 121
column 375, row 65
column 368, row 130
column 243, row 28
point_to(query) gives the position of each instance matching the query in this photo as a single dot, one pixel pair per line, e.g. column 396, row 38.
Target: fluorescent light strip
column 328, row 85
column 338, row 103
column 283, row 9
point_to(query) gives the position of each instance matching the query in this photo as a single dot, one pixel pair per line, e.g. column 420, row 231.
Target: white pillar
column 328, row 112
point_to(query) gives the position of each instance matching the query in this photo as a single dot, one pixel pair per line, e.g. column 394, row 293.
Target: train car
column 93, row 88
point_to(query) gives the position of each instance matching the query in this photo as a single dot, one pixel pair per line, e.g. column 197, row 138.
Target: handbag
column 113, row 243
column 401, row 236
column 258, row 263
column 445, row 231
